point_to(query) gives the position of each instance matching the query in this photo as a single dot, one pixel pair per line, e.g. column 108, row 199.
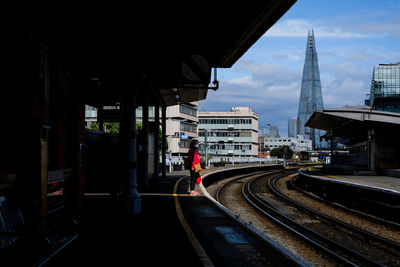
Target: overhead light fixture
column 96, row 80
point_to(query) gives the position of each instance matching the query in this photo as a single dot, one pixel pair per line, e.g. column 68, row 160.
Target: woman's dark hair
column 193, row 143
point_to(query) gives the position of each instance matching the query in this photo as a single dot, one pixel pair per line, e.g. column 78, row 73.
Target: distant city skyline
column 352, row 37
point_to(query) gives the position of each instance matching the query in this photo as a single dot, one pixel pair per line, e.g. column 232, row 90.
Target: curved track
column 346, row 209
column 367, row 236
column 342, row 251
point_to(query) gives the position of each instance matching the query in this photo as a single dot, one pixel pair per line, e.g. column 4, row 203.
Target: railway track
column 344, row 243
column 369, row 217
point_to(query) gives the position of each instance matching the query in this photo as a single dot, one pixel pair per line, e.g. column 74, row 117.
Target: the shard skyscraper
column 310, row 95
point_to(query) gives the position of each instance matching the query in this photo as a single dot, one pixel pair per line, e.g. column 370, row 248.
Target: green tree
column 109, row 127
column 139, row 126
column 266, row 148
column 280, row 151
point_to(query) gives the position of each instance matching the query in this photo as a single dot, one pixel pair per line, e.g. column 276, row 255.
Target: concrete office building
column 297, row 144
column 231, row 135
column 181, row 127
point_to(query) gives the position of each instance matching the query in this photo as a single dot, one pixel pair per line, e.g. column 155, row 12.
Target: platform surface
column 152, row 238
column 223, row 241
column 387, row 183
column 173, row 228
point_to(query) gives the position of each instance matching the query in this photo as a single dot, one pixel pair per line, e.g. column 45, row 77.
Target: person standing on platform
column 196, row 165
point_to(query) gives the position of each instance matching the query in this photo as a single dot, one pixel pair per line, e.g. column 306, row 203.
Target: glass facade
column 292, row 127
column 385, row 88
column 310, row 95
column 268, row 130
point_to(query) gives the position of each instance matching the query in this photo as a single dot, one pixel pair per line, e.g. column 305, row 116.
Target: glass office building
column 310, row 95
column 385, row 88
column 268, row 130
column 292, row 127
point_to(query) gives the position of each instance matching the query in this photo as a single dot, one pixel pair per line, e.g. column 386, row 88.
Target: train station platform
column 173, row 228
column 376, row 182
column 378, row 195
column 110, row 238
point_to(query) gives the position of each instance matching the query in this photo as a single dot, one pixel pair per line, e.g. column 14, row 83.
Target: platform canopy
column 352, row 123
column 166, row 46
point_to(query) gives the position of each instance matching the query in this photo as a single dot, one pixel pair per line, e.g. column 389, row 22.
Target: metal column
column 100, row 119
column 164, row 140
column 371, row 150
column 331, row 159
column 146, row 139
column 156, row 141
column 131, row 199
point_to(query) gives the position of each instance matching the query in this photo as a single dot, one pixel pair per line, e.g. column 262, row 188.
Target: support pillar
column 371, row 150
column 164, row 140
column 156, row 141
column 100, row 119
column 331, row 148
column 146, row 139
column 132, row 203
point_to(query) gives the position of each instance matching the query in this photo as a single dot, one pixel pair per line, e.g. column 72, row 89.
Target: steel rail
column 332, row 221
column 256, row 174
column 344, row 208
column 327, row 245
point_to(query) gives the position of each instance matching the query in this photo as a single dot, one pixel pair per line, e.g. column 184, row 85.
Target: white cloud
column 388, row 28
column 246, row 81
column 268, row 78
column 299, row 28
column 273, row 90
column 270, row 90
column 345, row 90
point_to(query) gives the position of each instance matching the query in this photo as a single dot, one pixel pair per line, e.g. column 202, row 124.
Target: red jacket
column 194, row 158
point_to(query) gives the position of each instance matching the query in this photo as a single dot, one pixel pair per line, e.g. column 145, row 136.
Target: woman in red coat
column 194, row 158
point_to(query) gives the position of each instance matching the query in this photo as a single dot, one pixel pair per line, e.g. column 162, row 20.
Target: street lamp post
column 233, row 148
column 206, row 144
column 207, row 147
column 179, row 142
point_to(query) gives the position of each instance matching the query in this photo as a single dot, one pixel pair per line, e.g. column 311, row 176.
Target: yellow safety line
column 201, row 253
column 164, row 195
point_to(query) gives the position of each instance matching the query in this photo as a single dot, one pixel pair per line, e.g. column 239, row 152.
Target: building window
column 184, row 144
column 222, row 121
column 188, row 127
column 245, row 134
column 188, row 110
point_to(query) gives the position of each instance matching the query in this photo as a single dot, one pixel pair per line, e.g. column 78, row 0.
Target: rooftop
column 234, row 112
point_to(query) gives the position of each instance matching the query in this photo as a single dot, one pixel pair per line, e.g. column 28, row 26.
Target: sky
column 351, row 37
